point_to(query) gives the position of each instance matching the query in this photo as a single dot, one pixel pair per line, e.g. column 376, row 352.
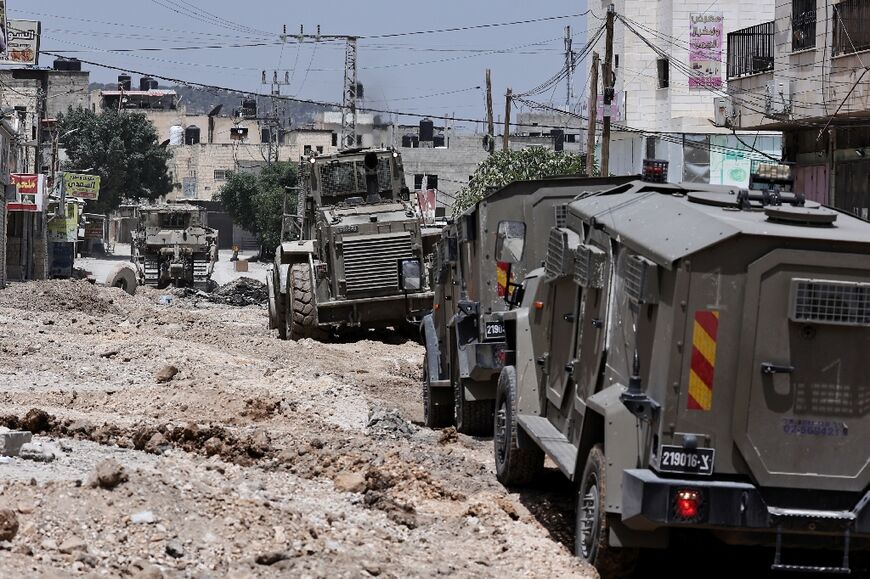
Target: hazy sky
column 399, row 73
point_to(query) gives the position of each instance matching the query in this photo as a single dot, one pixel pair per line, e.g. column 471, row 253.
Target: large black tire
column 301, row 318
column 515, row 464
column 473, row 417
column 592, row 534
column 123, row 276
column 437, row 413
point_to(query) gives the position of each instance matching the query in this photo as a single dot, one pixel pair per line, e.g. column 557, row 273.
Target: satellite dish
column 164, row 144
column 216, row 111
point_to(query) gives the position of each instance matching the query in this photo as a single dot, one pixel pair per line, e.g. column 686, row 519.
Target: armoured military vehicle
column 464, row 334
column 353, row 253
column 692, row 357
column 172, row 245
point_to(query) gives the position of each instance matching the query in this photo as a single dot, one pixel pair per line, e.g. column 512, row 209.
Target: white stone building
column 803, row 71
column 666, row 117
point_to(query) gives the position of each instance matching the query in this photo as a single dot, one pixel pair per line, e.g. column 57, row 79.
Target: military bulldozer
column 353, row 253
column 692, row 358
column 464, row 335
column 172, row 245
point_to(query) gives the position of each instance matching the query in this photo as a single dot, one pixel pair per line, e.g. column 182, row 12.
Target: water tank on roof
column 68, row 64
column 191, row 135
column 125, row 82
column 439, row 140
column 406, row 141
column 427, row 130
column 176, row 135
column 360, row 91
column 147, row 83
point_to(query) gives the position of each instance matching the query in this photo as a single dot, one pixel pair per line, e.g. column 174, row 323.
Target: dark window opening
column 663, row 66
column 851, row 33
column 803, row 24
column 334, row 139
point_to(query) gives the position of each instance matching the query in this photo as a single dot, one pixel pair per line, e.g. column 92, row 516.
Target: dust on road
column 244, row 455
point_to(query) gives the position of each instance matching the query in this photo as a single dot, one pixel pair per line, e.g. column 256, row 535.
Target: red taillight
column 688, row 504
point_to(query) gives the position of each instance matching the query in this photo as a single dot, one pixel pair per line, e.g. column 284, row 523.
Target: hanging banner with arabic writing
column 22, row 42
column 81, row 185
column 705, row 49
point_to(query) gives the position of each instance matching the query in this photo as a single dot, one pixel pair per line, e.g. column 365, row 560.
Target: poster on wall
column 705, row 49
column 23, row 42
column 28, row 192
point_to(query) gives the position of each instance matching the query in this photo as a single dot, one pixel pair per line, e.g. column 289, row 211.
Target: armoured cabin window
column 174, row 220
column 510, row 241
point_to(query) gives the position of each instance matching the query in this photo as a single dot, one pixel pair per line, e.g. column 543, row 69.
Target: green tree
column 256, row 201
column 504, row 167
column 123, row 150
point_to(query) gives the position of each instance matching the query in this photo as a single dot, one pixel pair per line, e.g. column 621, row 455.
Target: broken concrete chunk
column 11, row 442
column 143, row 518
column 108, row 474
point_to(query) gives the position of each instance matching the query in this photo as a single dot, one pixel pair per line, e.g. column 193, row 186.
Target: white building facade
column 669, row 67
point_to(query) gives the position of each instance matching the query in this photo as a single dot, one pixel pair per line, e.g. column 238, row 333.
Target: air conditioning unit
column 725, row 112
column 779, row 97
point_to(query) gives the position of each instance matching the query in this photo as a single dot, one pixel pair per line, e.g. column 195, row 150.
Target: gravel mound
column 64, row 296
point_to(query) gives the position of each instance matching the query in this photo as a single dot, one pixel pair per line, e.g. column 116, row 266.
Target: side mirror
column 510, row 241
column 410, row 275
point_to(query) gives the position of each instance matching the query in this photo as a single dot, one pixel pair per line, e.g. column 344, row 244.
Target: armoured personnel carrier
column 464, row 335
column 692, row 357
column 353, row 254
column 172, row 245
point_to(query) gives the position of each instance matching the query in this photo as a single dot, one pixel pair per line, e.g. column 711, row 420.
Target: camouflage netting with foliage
column 504, row 167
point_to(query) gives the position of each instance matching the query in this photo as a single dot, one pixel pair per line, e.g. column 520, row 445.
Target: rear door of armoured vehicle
column 803, row 393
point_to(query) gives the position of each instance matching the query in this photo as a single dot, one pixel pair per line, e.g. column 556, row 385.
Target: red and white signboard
column 28, row 193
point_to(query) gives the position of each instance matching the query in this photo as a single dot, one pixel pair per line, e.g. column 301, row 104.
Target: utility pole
column 507, row 119
column 348, row 105
column 593, row 116
column 349, row 101
column 608, row 92
column 490, row 126
column 274, row 121
column 569, row 67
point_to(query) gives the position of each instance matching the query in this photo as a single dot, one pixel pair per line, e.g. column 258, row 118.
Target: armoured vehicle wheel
column 434, row 415
column 591, row 537
column 301, row 318
column 124, row 277
column 514, row 465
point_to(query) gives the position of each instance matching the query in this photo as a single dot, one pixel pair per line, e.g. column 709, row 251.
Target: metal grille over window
column 561, row 215
column 851, row 33
column 590, row 267
column 830, row 302
column 803, row 24
column 338, row 179
column 560, row 256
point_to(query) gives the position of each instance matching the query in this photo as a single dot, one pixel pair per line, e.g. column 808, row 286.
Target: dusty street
column 244, row 455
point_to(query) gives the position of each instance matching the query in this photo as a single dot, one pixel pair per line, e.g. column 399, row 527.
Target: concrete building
column 802, row 71
column 36, row 95
column 664, row 93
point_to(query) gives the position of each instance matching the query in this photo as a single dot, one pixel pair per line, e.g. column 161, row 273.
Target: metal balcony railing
column 750, row 50
column 851, row 27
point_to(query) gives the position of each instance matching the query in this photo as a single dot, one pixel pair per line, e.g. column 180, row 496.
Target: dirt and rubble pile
column 240, row 292
column 64, row 296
